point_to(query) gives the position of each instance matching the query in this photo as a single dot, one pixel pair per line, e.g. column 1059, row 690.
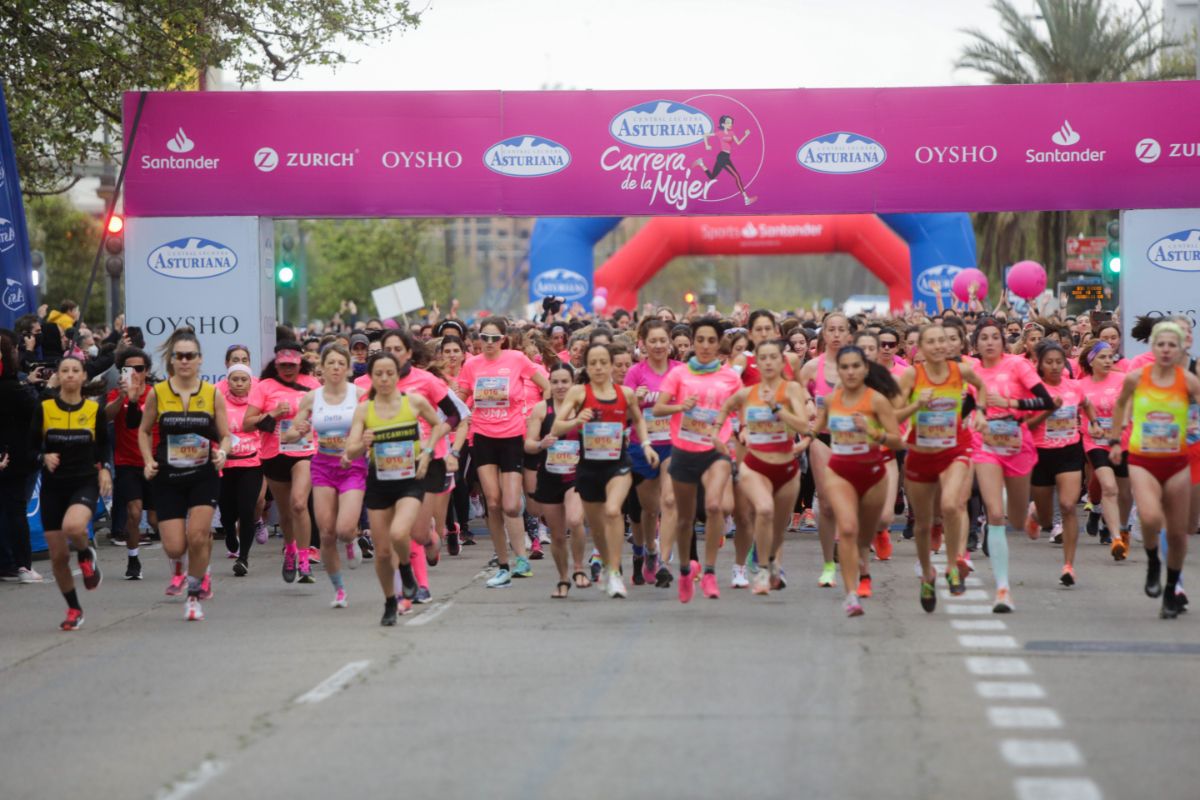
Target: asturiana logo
column 661, row 125
column 944, row 274
column 14, row 295
column 1179, row 252
column 192, row 258
column 8, row 235
column 527, row 157
column 562, row 283
column 841, row 153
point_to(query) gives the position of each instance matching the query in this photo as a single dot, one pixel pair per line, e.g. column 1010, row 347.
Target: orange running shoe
column 1120, row 546
column 864, row 586
column 935, row 538
column 1032, row 528
column 883, row 545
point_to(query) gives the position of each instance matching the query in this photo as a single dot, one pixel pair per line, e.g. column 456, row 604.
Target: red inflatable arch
column 864, row 236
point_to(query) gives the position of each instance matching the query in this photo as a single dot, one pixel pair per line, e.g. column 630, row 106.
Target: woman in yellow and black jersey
column 72, row 437
column 386, row 424
column 193, row 442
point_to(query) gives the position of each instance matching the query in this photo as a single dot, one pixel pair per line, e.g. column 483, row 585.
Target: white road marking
column 972, row 581
column 969, row 594
column 1024, row 717
column 1056, row 789
column 984, row 665
column 192, row 782
column 1041, row 753
column 435, row 611
column 1009, row 690
column 988, row 642
column 334, row 683
column 977, row 625
column 966, row 609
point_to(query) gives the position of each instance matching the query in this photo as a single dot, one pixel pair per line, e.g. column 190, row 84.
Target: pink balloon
column 602, row 291
column 1027, row 279
column 962, row 283
column 599, row 302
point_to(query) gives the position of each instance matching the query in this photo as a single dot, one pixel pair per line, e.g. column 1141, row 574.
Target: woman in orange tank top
column 1152, row 414
column 859, row 419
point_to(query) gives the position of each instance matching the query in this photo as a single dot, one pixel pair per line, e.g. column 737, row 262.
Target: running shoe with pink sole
column 339, row 599
column 687, row 588
column 708, row 585
column 206, row 591
column 175, row 587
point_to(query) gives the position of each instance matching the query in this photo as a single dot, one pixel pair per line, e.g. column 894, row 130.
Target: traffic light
column 286, row 271
column 1112, row 251
column 114, row 245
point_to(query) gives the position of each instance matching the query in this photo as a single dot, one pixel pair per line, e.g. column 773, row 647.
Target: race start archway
column 662, row 239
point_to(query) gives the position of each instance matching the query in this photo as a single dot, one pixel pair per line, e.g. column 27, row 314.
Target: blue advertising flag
column 17, row 295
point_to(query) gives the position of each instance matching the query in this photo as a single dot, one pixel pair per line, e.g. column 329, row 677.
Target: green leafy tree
column 346, row 259
column 68, row 238
column 66, row 62
column 1066, row 41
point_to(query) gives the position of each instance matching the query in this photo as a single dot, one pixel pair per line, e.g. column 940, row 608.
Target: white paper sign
column 1160, row 268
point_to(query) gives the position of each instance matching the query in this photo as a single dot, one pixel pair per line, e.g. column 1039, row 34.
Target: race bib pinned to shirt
column 491, row 392
column 698, row 425
column 602, row 440
column 395, row 461
column 187, row 450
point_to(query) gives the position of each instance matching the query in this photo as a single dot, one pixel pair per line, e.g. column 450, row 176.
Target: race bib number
column 937, row 429
column 764, row 427
column 1105, row 424
column 602, row 440
column 187, row 450
column 395, row 461
column 301, row 445
column 1062, row 424
column 491, row 392
column 1002, row 437
column 1193, row 428
column 846, row 437
column 698, row 426
column 563, row 457
column 332, row 443
column 658, row 429
column 1160, row 438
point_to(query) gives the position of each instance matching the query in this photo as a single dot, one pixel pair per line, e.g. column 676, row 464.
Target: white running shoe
column 354, row 555
column 25, row 575
column 762, row 582
column 339, row 599
column 616, row 586
column 192, row 612
column 739, row 579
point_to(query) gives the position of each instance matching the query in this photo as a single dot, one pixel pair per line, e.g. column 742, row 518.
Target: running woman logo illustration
column 675, row 138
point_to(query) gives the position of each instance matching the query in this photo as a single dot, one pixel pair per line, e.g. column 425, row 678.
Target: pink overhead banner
column 625, row 153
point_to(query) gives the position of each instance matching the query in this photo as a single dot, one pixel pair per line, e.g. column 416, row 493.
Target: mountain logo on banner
column 180, row 143
column 661, row 125
column 8, row 235
column 527, row 157
column 564, row 283
column 1066, row 135
column 1178, row 252
column 192, row 258
column 14, row 295
column 841, row 153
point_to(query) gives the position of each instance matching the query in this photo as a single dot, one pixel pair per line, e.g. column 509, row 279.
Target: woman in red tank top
column 772, row 414
column 599, row 409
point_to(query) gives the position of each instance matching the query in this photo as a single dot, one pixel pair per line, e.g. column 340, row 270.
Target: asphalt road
column 1080, row 694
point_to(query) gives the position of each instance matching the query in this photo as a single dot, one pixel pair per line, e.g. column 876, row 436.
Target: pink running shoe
column 206, row 591
column 175, row 587
column 650, row 568
column 339, row 599
column 708, row 585
column 314, row 554
column 687, row 588
column 697, row 571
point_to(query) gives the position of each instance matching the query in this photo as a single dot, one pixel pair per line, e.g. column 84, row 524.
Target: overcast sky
column 648, row 44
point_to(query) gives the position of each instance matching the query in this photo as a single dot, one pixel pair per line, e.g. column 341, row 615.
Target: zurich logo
column 527, row 157
column 8, row 235
column 943, row 274
column 192, row 258
column 1179, row 252
column 841, row 153
column 661, row 125
column 561, row 283
column 14, row 296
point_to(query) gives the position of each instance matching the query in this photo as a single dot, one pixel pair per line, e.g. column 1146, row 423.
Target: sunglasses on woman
column 888, row 343
column 185, row 356
column 492, row 338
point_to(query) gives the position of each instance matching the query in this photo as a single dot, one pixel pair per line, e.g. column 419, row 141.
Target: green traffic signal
column 285, row 273
column 1114, row 265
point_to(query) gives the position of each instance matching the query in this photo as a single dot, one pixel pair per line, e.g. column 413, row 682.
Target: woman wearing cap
column 242, row 478
column 1152, row 415
column 188, row 416
column 493, row 383
column 338, row 486
column 273, row 405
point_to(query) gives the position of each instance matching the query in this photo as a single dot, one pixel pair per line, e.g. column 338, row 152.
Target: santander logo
column 1066, row 135
column 180, row 143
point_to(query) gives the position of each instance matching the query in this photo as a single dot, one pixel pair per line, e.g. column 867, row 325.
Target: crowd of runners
column 582, row 436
